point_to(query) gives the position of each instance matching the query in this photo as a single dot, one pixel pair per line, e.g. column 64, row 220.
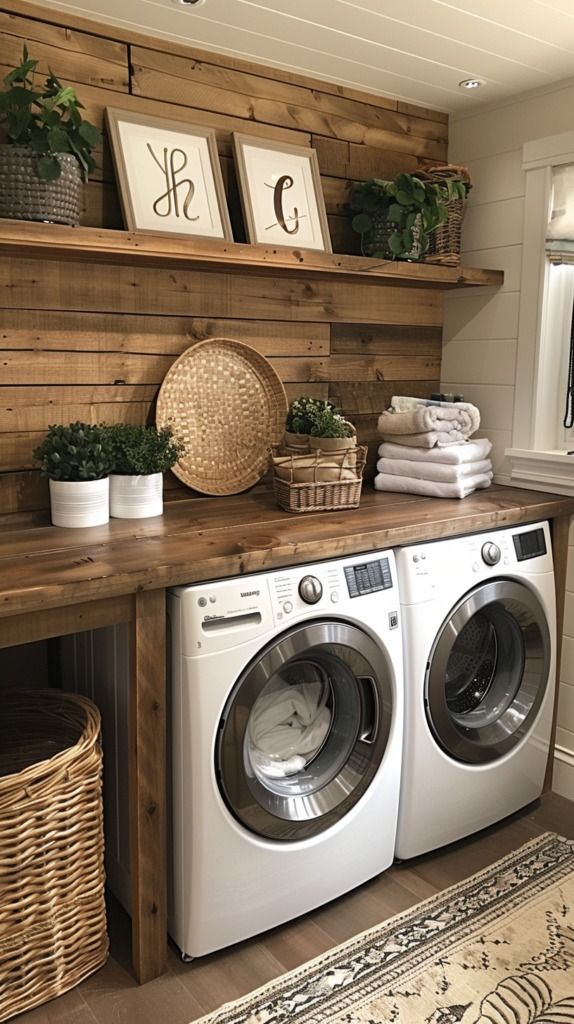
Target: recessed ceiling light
column 472, row 83
column 189, row 3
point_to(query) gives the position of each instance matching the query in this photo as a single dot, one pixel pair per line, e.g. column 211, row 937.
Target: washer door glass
column 488, row 671
column 304, row 730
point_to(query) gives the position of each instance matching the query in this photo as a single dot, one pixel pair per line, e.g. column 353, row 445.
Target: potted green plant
column 330, row 432
column 328, row 453
column 141, row 455
column 396, row 218
column 49, row 155
column 298, row 423
column 77, row 459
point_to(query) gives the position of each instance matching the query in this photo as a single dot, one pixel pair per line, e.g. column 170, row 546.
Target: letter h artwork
column 169, row 177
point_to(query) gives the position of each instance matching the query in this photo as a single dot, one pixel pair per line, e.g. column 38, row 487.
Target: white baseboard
column 563, row 774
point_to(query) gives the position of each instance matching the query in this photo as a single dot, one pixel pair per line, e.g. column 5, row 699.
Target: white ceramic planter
column 80, row 502
column 136, row 497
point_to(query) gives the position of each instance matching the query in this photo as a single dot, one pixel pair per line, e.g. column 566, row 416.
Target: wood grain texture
column 53, row 242
column 206, row 85
column 61, row 621
column 80, row 59
column 205, row 538
column 148, row 817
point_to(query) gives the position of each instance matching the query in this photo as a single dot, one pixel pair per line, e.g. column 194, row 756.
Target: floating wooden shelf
column 98, row 245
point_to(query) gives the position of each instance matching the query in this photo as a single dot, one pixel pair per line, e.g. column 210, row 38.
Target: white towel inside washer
column 287, row 727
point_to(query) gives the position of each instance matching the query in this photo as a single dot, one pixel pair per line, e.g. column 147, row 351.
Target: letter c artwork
column 283, row 183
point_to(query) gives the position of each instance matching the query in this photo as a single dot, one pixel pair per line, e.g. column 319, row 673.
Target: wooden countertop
column 205, row 538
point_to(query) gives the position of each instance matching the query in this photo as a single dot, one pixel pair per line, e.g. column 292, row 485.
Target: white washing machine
column 479, row 627
column 287, row 718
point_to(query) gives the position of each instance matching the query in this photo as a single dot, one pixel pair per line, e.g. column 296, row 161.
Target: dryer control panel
column 457, row 564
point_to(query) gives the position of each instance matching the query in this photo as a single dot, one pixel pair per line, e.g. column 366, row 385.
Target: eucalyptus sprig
column 47, row 119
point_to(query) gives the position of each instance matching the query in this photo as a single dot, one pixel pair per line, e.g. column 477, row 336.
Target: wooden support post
column 148, row 786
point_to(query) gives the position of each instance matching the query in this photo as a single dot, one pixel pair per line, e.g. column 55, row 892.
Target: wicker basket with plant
column 49, row 153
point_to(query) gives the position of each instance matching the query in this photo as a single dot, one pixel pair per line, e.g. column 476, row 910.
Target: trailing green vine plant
column 47, row 119
column 395, row 218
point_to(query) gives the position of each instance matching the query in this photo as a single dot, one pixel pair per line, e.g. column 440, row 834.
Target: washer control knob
column 310, row 589
column 490, row 553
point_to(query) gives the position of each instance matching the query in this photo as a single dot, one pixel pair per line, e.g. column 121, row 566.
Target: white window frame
column 535, row 459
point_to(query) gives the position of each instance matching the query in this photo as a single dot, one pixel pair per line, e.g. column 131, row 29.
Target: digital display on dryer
column 529, row 545
column 368, row 577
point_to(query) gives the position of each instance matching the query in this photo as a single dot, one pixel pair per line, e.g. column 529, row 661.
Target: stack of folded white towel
column 422, row 423
column 427, row 449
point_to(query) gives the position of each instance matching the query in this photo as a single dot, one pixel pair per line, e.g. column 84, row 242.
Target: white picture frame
column 169, row 176
column 281, row 195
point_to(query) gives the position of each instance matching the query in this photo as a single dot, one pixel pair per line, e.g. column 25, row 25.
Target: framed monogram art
column 281, row 195
column 168, row 175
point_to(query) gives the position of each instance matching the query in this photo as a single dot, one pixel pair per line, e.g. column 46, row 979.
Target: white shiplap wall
column 481, row 331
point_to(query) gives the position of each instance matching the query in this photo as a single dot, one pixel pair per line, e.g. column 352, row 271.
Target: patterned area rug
column 497, row 948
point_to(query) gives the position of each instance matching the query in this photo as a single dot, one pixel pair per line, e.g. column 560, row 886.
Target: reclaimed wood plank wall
column 94, row 342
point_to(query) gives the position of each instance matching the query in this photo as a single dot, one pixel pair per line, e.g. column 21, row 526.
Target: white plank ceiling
column 414, row 50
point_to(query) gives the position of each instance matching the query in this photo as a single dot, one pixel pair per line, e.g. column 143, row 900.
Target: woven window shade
column 560, row 230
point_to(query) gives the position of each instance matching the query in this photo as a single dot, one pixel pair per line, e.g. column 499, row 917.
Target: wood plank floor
column 188, row 991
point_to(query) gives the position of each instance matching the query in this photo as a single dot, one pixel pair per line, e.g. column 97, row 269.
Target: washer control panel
column 368, row 577
column 325, row 586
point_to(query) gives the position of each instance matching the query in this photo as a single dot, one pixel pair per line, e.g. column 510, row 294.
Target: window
column 540, row 442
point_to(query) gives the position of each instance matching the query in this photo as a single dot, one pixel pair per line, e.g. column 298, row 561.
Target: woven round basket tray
column 224, row 400
column 52, row 911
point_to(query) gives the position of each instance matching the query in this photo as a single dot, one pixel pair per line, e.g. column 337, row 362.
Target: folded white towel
column 427, row 439
column 404, row 403
column 454, row 455
column 426, row 424
column 433, row 488
column 433, row 470
column 448, row 416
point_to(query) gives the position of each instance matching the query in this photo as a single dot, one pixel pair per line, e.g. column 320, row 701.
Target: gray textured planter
column 25, row 196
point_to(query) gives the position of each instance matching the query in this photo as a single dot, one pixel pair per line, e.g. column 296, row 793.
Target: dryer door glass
column 305, row 730
column 488, row 671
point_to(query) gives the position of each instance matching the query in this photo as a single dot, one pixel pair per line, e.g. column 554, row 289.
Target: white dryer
column 287, row 718
column 479, row 627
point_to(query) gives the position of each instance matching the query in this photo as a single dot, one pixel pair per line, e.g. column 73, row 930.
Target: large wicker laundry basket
column 52, row 913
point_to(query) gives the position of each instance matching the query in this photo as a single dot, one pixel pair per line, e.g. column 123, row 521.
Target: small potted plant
column 298, row 423
column 330, row 432
column 141, row 455
column 77, row 459
column 49, row 155
column 396, row 218
column 319, row 443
